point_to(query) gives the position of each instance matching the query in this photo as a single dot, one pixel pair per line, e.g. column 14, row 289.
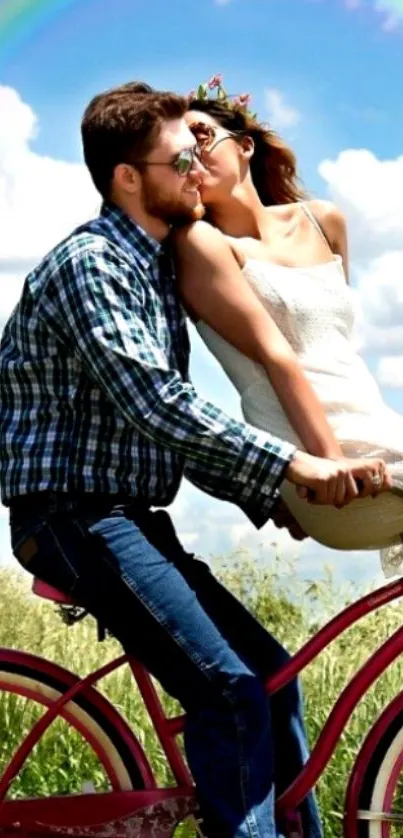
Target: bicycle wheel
column 88, row 748
column 380, row 802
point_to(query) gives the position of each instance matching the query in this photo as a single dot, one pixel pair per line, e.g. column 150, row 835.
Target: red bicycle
column 134, row 806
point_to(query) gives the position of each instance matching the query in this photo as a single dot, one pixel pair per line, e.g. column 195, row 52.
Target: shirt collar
column 129, row 233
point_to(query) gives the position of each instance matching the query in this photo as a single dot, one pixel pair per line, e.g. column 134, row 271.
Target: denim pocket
column 48, row 551
column 21, row 532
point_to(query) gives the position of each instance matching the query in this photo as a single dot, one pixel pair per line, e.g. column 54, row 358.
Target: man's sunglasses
column 181, row 164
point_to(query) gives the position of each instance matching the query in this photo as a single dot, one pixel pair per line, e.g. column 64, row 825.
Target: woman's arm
column 333, row 224
column 214, row 290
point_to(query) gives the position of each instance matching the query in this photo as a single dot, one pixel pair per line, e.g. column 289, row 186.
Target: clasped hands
column 331, row 482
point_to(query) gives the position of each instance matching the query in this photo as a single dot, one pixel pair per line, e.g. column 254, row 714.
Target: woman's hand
column 337, row 482
column 371, row 475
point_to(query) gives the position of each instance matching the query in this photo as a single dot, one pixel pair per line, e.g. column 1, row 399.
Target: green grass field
column 63, row 763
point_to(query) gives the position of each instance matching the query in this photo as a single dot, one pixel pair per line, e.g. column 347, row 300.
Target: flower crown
column 213, row 89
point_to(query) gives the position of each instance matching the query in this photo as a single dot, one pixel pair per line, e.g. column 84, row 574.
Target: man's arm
column 100, row 307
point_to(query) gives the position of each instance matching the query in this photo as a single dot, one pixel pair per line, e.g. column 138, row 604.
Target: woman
column 264, row 278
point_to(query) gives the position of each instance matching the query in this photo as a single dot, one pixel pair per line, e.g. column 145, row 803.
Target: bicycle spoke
column 387, row 817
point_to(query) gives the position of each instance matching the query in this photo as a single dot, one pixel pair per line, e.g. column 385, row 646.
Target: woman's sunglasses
column 181, row 164
column 208, row 137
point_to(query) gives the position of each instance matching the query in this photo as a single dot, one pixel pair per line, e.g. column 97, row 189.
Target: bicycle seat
column 46, row 591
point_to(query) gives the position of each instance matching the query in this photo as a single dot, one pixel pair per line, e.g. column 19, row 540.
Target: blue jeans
column 126, row 566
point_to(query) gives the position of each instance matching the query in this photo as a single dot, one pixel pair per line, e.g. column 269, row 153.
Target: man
column 99, row 421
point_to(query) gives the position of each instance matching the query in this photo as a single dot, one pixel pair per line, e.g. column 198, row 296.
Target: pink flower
column 191, row 95
column 215, row 81
column 244, row 99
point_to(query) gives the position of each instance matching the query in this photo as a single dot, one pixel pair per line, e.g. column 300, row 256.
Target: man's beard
column 172, row 210
column 195, row 214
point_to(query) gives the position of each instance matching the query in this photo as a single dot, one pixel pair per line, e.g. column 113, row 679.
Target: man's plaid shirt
column 95, row 395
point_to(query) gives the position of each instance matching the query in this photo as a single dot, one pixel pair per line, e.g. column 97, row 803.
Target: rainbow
column 20, row 19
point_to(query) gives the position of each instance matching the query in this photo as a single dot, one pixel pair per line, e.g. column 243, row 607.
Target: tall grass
column 292, row 612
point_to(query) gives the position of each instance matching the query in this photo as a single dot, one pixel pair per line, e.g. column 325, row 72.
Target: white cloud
column 382, row 292
column 390, row 371
column 366, row 188
column 392, row 14
column 10, row 289
column 390, row 11
column 41, row 199
column 281, row 115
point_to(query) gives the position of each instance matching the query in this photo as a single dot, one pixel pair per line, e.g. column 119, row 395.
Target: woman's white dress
column 314, row 309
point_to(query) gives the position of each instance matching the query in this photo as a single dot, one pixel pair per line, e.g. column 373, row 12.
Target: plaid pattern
column 95, row 395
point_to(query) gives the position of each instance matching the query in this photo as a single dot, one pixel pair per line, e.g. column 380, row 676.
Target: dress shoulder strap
column 309, row 214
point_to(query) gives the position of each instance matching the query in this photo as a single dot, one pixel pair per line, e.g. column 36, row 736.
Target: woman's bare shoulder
column 327, row 213
column 204, row 239
column 197, row 235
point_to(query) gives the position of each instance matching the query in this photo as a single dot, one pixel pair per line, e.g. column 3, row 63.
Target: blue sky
column 339, row 66
column 325, row 73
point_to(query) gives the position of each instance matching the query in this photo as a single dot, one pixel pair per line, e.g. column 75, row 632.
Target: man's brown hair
column 122, row 126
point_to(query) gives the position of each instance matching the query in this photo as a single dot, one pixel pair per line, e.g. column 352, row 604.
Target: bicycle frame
column 167, row 729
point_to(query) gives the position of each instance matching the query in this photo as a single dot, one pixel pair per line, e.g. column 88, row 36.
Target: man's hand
column 282, row 517
column 337, row 482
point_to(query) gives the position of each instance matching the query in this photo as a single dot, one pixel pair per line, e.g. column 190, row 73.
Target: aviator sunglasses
column 208, row 137
column 181, row 163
